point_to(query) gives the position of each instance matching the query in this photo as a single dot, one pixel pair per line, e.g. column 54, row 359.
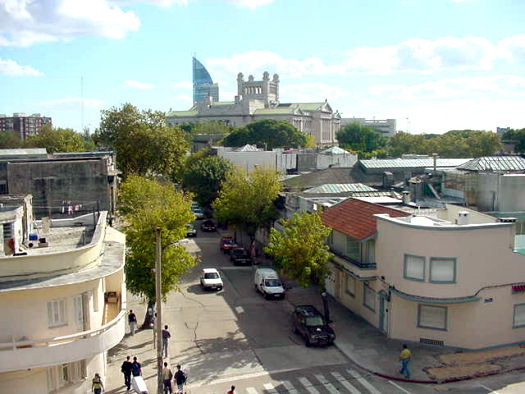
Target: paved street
column 235, row 336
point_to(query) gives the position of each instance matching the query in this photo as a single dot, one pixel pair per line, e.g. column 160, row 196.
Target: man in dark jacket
column 126, row 370
column 136, row 368
column 180, row 379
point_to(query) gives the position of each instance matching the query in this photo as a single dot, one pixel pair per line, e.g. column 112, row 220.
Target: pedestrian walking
column 132, row 320
column 180, row 379
column 97, row 386
column 126, row 370
column 405, row 357
column 136, row 368
column 232, row 390
column 165, row 338
column 167, row 375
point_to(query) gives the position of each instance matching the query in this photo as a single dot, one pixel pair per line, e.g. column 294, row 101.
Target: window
column 78, row 310
column 350, row 285
column 56, row 313
column 434, row 317
column 8, row 233
column 352, row 249
column 519, row 316
column 64, row 374
column 369, row 298
column 443, row 270
column 370, row 256
column 95, row 299
column 414, row 267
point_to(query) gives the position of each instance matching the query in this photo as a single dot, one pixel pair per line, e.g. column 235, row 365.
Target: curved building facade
column 203, row 86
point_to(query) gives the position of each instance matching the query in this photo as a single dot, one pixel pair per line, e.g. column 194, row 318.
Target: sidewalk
column 374, row 352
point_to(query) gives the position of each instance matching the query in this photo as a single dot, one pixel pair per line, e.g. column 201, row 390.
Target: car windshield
column 314, row 321
column 272, row 283
column 211, row 275
column 227, row 241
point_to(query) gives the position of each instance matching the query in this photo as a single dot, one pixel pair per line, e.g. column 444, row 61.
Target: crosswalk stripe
column 401, row 388
column 307, row 385
column 363, row 381
column 251, row 390
column 345, row 383
column 289, row 387
column 329, row 386
column 270, row 388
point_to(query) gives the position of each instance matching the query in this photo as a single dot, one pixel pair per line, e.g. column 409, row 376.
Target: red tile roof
column 355, row 219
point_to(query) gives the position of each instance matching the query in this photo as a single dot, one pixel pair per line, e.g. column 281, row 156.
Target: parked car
column 199, row 214
column 240, row 256
column 227, row 244
column 208, row 225
column 211, row 279
column 310, row 324
column 267, row 282
column 191, row 231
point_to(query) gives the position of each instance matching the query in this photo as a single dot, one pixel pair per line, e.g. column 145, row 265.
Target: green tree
column 10, row 140
column 89, row 143
column 301, row 250
column 142, row 141
column 402, row 143
column 517, row 137
column 147, row 205
column 360, row 139
column 204, row 176
column 247, row 201
column 56, row 140
column 267, row 133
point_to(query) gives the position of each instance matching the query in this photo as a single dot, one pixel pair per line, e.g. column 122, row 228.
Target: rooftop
column 355, row 218
column 494, row 163
column 340, row 188
column 412, row 163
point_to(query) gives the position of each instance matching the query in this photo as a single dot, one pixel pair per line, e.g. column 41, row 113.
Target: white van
column 268, row 283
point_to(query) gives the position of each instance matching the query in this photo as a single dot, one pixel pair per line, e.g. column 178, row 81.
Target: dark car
column 240, row 256
column 208, row 225
column 227, row 244
column 310, row 324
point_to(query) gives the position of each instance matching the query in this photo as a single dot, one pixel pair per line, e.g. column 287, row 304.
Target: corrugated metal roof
column 340, row 188
column 412, row 163
column 495, row 163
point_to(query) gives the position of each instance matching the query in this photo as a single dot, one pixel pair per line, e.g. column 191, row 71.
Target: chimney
column 406, row 197
column 435, row 157
column 462, row 218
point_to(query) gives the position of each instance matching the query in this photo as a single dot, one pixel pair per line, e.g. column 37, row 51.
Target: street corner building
column 256, row 100
column 62, row 299
column 448, row 276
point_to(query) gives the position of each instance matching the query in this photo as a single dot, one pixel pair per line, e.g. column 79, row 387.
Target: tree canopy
column 363, row 140
column 454, row 143
column 517, row 137
column 142, row 141
column 203, row 176
column 56, row 140
column 147, row 205
column 267, row 133
column 10, row 140
column 301, row 250
column 247, row 201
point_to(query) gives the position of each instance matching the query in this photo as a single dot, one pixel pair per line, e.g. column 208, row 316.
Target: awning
column 432, row 300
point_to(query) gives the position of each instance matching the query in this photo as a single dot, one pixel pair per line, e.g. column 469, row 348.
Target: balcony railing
column 358, row 264
column 37, row 353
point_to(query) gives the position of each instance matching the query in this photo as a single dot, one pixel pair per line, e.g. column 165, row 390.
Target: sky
column 433, row 65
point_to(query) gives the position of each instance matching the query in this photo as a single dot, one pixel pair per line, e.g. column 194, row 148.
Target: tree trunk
column 148, row 317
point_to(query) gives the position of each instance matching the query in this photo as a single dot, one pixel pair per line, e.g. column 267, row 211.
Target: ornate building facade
column 256, row 100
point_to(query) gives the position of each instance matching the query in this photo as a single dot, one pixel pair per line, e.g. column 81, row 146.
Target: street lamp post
column 158, row 295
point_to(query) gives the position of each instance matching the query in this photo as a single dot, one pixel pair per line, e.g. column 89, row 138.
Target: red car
column 227, row 244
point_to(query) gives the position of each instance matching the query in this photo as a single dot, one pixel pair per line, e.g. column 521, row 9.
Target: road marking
column 363, row 381
column 488, row 388
column 346, row 384
column 399, row 387
column 251, row 390
column 329, row 386
column 307, row 385
column 270, row 388
column 239, row 309
column 291, row 389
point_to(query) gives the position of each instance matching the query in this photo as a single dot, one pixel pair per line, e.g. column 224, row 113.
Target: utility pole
column 158, row 299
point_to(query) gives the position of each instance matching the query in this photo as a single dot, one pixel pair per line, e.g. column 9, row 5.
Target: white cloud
column 160, row 3
column 182, row 85
column 257, row 62
column 25, row 22
column 139, row 85
column 249, row 3
column 72, row 103
column 10, row 67
column 311, row 92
